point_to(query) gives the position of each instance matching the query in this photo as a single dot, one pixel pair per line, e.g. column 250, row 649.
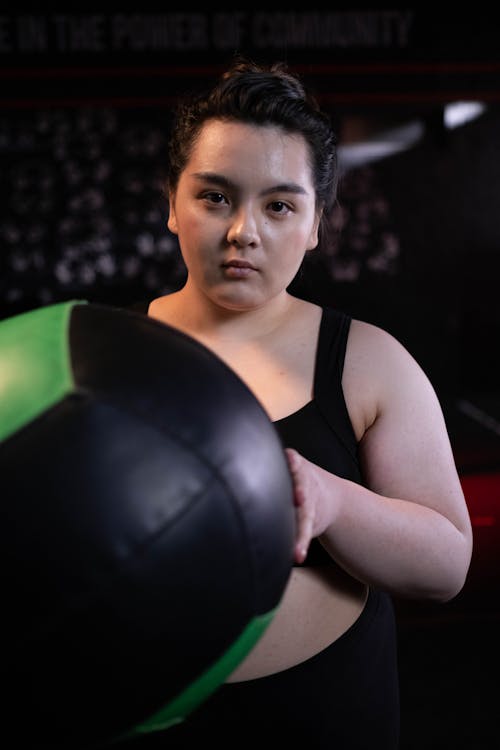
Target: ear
column 172, row 219
column 314, row 236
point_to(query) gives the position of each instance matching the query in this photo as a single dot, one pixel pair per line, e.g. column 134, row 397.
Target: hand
column 313, row 499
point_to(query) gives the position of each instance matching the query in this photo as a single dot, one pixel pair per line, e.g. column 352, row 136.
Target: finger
column 293, row 464
column 304, row 534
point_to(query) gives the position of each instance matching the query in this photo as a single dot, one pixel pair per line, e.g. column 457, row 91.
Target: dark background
column 84, row 117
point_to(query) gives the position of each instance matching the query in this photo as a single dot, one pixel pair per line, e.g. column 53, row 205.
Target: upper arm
column 404, row 446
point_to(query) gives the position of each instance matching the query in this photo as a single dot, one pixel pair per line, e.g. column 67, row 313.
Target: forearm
column 395, row 544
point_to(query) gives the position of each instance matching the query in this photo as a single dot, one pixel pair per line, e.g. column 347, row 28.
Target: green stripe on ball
column 198, row 691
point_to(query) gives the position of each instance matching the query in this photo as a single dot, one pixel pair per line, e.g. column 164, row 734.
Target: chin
column 237, row 302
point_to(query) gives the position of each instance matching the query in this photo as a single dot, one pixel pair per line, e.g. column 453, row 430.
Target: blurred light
column 459, row 113
column 384, row 144
column 389, row 142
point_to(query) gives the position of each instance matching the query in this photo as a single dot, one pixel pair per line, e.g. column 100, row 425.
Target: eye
column 214, row 197
column 279, row 207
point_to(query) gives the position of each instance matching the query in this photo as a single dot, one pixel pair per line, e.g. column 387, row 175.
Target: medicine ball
column 147, row 523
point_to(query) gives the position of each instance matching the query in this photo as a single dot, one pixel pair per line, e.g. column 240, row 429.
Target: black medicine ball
column 147, row 523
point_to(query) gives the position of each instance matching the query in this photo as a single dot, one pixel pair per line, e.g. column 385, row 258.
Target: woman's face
column 245, row 213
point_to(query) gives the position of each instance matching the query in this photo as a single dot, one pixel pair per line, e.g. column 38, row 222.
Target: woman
column 379, row 505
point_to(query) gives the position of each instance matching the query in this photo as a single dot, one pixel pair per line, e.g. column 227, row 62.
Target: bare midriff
column 319, row 605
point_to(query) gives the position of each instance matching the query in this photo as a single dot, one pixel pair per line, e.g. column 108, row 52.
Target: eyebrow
column 222, row 181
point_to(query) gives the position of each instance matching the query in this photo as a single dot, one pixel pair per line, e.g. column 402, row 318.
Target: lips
column 238, row 269
column 238, row 264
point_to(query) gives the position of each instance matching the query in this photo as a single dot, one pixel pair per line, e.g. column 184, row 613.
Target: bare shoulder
column 365, row 337
column 379, row 371
column 373, row 351
column 159, row 306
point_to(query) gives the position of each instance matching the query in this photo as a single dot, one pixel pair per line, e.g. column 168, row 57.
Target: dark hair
column 260, row 95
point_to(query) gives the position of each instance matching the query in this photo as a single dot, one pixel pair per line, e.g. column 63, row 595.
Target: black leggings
column 344, row 698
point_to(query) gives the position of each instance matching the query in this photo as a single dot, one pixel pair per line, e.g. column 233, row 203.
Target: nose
column 243, row 230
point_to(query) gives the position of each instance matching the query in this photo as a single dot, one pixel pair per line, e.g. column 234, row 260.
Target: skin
column 245, row 213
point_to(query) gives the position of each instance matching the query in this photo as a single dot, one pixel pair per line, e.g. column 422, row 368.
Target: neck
column 200, row 317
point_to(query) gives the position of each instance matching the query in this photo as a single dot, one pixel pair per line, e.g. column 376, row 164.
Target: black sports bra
column 322, row 430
